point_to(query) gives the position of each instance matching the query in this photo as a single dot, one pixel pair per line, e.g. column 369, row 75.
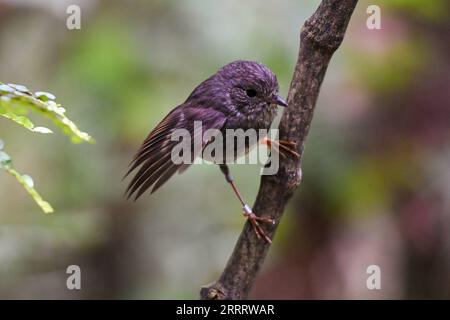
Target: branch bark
column 320, row 36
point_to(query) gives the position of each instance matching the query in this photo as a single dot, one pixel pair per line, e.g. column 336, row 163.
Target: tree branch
column 321, row 35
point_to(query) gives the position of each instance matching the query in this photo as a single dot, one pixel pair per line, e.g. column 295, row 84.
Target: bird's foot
column 255, row 222
column 283, row 147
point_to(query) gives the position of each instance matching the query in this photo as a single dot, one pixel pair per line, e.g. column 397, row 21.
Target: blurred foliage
column 436, row 10
column 15, row 103
column 111, row 68
column 396, row 71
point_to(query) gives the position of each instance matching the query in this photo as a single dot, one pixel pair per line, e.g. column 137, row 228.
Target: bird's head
column 251, row 85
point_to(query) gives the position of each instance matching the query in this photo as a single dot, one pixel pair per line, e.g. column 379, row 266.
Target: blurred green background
column 376, row 171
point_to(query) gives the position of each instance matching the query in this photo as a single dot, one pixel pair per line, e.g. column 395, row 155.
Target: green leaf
column 25, row 180
column 5, row 159
column 44, row 96
column 17, row 100
column 42, row 130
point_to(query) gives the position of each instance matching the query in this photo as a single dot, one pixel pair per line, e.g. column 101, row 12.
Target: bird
column 240, row 95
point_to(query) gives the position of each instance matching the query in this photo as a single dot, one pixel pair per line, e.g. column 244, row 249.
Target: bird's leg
column 248, row 213
column 283, row 147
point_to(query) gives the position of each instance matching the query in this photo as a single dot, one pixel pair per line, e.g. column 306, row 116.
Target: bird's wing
column 154, row 156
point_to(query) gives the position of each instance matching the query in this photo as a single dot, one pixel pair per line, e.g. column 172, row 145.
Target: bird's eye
column 251, row 93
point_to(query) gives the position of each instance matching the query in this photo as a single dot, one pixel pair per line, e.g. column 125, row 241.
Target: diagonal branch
column 321, row 35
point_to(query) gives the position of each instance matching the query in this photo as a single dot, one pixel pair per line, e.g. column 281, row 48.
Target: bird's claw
column 283, row 147
column 254, row 221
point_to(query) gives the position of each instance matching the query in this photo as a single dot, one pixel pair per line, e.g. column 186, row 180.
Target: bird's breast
column 241, row 133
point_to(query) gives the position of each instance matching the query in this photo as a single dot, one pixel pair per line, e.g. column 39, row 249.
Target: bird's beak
column 279, row 101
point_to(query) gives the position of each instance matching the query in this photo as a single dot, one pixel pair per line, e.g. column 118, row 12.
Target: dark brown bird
column 241, row 95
